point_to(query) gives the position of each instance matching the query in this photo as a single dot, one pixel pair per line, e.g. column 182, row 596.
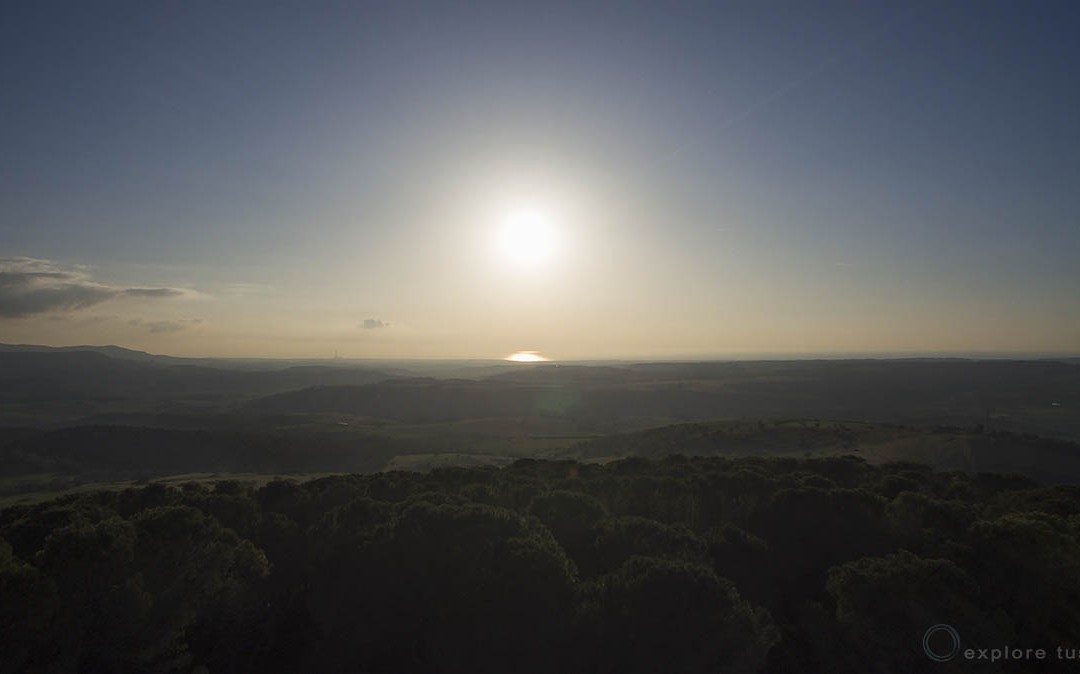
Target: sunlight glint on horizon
column 527, row 357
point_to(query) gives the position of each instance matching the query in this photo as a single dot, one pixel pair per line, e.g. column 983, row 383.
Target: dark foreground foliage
column 676, row 565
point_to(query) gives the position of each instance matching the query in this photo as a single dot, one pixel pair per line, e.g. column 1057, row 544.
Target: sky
column 703, row 180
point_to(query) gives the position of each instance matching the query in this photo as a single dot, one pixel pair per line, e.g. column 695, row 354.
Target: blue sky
column 721, row 178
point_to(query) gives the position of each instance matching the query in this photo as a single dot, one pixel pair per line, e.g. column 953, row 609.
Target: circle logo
column 940, row 653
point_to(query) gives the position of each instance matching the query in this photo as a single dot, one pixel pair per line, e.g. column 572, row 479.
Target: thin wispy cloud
column 159, row 327
column 82, row 319
column 32, row 286
column 153, row 292
column 237, row 289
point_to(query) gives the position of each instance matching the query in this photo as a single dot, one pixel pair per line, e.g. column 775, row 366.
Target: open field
column 39, row 488
column 418, row 448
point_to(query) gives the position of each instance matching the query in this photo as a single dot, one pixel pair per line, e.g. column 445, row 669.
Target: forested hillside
column 671, row 565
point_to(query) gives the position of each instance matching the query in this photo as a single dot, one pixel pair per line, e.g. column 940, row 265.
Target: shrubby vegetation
column 673, row 565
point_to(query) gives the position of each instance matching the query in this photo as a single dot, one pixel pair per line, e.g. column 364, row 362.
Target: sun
column 527, row 237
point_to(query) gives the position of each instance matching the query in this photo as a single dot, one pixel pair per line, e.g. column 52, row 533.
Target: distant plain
column 98, row 416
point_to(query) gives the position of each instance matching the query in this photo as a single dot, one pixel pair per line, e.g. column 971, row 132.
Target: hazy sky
column 714, row 178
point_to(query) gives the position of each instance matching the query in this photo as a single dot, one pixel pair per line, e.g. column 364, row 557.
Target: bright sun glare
column 527, row 237
column 526, row 357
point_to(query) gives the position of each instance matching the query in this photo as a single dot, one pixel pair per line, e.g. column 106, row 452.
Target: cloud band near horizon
column 32, row 286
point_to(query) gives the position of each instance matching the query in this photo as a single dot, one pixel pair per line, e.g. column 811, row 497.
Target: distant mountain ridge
column 46, row 386
column 110, row 350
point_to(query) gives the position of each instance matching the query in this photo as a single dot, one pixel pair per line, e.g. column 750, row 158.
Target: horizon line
column 693, row 358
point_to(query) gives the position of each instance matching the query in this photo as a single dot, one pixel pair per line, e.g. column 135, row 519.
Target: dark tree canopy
column 674, row 565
